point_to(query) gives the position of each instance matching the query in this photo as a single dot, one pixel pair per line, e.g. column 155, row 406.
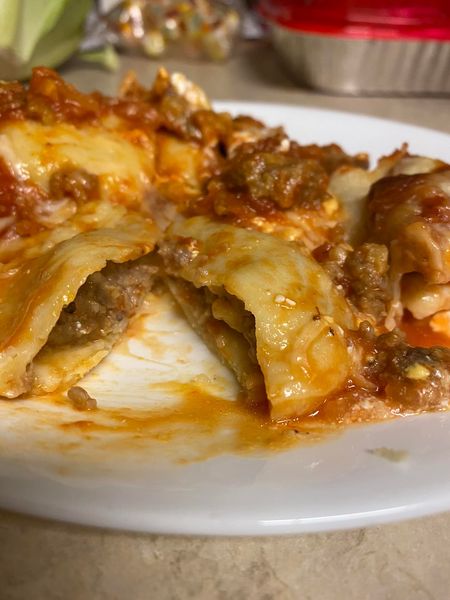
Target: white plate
column 123, row 477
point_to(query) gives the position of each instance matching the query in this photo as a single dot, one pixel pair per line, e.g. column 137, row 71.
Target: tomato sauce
column 420, row 333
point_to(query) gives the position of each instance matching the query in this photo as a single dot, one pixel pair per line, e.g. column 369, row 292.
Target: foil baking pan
column 364, row 46
column 369, row 66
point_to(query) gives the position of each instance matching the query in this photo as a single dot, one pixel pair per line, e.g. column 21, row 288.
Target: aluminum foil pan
column 364, row 66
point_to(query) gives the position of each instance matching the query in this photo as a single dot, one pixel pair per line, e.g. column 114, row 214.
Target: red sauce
column 8, row 190
column 419, row 333
column 19, row 199
column 199, row 419
column 50, row 99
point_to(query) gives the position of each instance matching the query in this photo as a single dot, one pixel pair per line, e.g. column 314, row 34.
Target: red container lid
column 364, row 19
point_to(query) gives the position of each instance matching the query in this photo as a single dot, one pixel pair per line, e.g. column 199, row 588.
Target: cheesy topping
column 295, row 263
column 35, row 151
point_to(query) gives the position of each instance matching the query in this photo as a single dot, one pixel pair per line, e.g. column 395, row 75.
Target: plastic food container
column 364, row 46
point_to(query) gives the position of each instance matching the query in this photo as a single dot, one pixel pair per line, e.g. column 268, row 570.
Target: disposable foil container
column 364, row 66
column 364, row 46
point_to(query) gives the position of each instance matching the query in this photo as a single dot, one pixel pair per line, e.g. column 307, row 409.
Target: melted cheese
column 424, row 299
column 179, row 161
column 34, row 151
column 300, row 319
column 34, row 292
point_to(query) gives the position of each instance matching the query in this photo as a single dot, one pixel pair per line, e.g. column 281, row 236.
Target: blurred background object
column 39, row 32
column 355, row 47
column 48, row 32
column 363, row 46
column 197, row 28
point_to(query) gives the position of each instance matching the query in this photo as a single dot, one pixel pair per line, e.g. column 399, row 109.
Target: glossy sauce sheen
column 199, row 413
column 192, row 420
column 419, row 333
column 200, row 424
column 200, row 419
column 209, row 424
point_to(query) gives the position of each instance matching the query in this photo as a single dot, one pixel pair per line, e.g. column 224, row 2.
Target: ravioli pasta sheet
column 272, row 303
column 35, row 294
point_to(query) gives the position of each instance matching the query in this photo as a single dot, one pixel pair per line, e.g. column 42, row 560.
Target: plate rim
column 330, row 111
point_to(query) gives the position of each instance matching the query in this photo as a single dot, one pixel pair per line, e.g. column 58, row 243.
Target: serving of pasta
column 322, row 284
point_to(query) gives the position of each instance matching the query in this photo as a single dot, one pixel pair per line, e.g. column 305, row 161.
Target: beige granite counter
column 45, row 560
column 49, row 561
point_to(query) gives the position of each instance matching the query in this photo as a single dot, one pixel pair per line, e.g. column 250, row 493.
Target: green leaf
column 37, row 17
column 105, row 57
column 9, row 13
column 56, row 46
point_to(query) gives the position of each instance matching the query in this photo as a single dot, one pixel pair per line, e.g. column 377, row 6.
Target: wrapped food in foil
column 197, row 28
column 364, row 46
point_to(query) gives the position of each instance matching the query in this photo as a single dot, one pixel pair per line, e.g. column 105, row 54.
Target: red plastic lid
column 364, row 19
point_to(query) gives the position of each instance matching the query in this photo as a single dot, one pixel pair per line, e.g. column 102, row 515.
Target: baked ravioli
column 324, row 285
column 76, row 229
column 83, row 179
column 276, row 318
column 269, row 310
column 62, row 311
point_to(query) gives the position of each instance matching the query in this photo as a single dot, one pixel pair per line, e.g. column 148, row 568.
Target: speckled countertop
column 45, row 560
